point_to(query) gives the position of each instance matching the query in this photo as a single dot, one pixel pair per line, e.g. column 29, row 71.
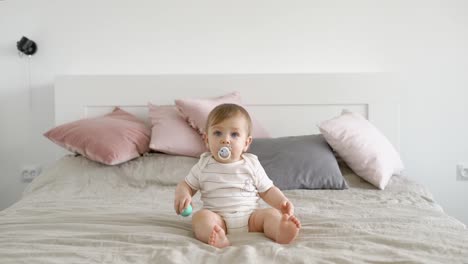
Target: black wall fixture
column 26, row 46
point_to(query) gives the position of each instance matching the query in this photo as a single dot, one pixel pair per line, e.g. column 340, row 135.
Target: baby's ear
column 248, row 141
column 205, row 139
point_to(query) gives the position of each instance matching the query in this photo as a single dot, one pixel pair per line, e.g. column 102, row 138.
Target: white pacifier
column 224, row 153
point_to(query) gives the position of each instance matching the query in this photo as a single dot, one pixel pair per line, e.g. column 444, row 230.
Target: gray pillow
column 299, row 162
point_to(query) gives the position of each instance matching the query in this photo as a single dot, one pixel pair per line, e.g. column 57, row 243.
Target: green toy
column 187, row 211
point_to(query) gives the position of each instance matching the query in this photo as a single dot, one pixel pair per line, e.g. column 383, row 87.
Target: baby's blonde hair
column 225, row 111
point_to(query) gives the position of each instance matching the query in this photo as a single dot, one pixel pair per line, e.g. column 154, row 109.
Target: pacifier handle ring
column 221, row 150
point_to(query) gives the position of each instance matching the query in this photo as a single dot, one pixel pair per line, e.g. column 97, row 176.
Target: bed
column 81, row 211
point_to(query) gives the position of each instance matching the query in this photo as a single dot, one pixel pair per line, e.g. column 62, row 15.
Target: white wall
column 426, row 41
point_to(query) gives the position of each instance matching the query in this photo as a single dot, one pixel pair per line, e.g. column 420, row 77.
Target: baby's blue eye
column 235, row 134
column 217, row 133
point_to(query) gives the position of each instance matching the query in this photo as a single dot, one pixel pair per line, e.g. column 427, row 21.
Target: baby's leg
column 210, row 228
column 281, row 228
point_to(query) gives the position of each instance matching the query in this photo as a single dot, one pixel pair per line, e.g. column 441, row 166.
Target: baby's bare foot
column 288, row 228
column 218, row 238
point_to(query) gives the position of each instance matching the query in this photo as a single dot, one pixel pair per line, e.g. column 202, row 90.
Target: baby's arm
column 276, row 199
column 183, row 196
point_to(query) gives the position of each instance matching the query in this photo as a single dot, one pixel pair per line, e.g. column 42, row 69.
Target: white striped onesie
column 230, row 189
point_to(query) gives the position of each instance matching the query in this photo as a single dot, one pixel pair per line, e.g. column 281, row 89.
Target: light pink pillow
column 110, row 139
column 172, row 134
column 196, row 112
column 364, row 149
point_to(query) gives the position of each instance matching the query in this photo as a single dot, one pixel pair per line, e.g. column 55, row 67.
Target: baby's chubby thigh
column 257, row 218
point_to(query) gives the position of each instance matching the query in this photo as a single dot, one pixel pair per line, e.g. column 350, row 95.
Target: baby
column 231, row 182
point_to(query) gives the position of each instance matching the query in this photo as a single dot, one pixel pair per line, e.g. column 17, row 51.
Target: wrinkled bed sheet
column 79, row 211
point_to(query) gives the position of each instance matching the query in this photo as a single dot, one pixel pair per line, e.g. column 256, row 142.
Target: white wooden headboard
column 286, row 104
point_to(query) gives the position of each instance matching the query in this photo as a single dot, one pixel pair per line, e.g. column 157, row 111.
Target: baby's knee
column 207, row 218
column 272, row 212
column 258, row 218
column 201, row 214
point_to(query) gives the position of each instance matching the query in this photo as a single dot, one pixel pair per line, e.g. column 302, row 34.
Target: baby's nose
column 225, row 141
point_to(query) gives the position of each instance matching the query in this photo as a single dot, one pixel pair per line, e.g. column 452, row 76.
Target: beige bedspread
column 82, row 212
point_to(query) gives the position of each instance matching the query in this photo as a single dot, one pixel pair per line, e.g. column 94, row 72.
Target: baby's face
column 231, row 132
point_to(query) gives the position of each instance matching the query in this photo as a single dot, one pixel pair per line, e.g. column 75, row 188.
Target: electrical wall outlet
column 28, row 173
column 462, row 172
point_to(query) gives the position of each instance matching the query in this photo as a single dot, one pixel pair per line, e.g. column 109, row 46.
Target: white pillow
column 364, row 149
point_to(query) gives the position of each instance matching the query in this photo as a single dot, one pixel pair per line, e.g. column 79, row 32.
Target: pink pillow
column 196, row 112
column 364, row 149
column 171, row 134
column 110, row 139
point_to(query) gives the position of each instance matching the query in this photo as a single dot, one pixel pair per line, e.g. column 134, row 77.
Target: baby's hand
column 287, row 208
column 182, row 200
column 181, row 203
